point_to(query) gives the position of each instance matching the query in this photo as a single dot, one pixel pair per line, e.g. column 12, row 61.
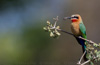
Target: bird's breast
column 75, row 28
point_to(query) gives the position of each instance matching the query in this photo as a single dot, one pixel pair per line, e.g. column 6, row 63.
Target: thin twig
column 85, row 62
column 56, row 20
column 88, row 61
column 87, row 40
column 81, row 58
column 91, row 42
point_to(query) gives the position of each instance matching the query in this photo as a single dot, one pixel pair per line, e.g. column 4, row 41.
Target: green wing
column 83, row 30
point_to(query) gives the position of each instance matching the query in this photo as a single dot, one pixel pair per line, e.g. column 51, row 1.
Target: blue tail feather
column 82, row 43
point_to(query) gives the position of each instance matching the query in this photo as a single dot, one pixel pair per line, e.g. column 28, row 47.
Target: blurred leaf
column 58, row 27
column 98, row 54
column 90, row 47
column 44, row 28
column 88, row 56
column 51, row 34
column 95, row 51
column 96, row 45
column 91, row 63
column 57, row 33
column 48, row 23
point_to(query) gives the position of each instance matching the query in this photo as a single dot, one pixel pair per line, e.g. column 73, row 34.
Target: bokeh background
column 23, row 40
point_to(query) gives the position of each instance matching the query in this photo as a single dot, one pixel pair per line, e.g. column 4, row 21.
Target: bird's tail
column 82, row 43
column 84, row 49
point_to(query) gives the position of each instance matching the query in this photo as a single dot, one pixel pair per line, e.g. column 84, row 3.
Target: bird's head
column 74, row 18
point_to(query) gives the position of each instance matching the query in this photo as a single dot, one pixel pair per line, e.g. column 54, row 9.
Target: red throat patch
column 74, row 20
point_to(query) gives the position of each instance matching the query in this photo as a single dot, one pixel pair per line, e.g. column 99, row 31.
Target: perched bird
column 78, row 29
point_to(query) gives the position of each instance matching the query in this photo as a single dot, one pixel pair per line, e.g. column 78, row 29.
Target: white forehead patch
column 72, row 15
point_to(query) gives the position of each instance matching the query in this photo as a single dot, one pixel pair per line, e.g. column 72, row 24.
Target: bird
column 78, row 29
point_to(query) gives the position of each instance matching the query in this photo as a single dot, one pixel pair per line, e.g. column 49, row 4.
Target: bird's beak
column 67, row 18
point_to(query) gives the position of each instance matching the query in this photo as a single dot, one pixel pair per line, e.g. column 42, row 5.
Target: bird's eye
column 76, row 17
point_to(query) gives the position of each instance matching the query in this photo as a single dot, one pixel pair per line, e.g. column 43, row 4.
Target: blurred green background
column 23, row 40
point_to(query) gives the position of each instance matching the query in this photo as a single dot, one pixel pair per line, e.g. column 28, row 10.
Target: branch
column 81, row 58
column 88, row 61
column 87, row 40
column 85, row 62
column 91, row 42
column 56, row 20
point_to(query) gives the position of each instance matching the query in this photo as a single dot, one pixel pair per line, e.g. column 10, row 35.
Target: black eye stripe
column 76, row 17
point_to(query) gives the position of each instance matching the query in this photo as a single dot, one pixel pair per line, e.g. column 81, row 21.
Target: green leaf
column 99, row 59
column 90, row 47
column 51, row 34
column 58, row 27
column 86, row 43
column 96, row 60
column 49, row 30
column 88, row 56
column 99, row 45
column 51, row 25
column 96, row 45
column 58, row 33
column 91, row 63
column 44, row 28
column 48, row 22
column 95, row 51
column 98, row 54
